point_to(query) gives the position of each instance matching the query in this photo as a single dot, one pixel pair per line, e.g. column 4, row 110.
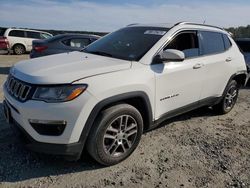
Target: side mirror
column 170, row 55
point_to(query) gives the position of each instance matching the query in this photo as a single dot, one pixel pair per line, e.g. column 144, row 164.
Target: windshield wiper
column 99, row 53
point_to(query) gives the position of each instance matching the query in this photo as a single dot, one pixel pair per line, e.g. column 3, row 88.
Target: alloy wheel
column 19, row 50
column 120, row 135
column 231, row 97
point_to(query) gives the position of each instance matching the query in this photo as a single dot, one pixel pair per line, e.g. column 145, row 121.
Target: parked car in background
column 4, row 44
column 244, row 45
column 19, row 41
column 61, row 43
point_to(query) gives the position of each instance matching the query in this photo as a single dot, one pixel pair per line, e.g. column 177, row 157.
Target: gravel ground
column 198, row 149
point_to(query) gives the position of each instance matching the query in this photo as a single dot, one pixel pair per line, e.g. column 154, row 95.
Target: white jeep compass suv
column 121, row 85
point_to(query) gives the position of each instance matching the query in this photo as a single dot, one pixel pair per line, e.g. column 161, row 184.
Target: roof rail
column 183, row 23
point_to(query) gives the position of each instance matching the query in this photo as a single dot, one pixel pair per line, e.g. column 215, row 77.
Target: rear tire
column 19, row 49
column 229, row 99
column 115, row 134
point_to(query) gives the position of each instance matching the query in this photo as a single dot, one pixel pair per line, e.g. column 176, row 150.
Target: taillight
column 4, row 40
column 7, row 42
column 40, row 48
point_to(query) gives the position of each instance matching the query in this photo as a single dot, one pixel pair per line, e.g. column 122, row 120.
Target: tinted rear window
column 244, row 46
column 212, row 42
column 16, row 33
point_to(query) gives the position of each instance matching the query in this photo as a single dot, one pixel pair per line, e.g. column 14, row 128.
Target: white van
column 20, row 40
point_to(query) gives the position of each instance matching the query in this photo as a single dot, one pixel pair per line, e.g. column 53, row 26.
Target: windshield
column 130, row 43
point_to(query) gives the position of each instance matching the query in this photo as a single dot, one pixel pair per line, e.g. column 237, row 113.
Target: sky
column 109, row 15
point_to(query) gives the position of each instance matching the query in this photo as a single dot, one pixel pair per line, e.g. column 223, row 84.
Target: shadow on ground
column 200, row 112
column 17, row 163
column 4, row 52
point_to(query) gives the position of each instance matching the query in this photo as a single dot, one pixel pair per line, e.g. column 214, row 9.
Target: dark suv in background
column 244, row 45
column 61, row 43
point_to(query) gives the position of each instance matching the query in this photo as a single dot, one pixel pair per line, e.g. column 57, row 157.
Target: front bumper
column 74, row 112
column 71, row 150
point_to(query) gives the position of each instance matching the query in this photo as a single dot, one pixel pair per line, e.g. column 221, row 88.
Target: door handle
column 197, row 66
column 228, row 59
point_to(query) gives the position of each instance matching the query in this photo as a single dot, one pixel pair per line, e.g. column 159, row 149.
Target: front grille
column 17, row 89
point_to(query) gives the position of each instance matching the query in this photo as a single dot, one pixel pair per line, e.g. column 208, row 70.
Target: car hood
column 66, row 68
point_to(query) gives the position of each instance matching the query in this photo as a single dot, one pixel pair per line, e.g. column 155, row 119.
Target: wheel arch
column 138, row 99
column 19, row 43
column 241, row 78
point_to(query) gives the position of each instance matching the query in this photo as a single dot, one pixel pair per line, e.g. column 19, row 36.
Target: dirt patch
column 197, row 149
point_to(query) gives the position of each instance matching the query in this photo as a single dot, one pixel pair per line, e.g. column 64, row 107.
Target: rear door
column 216, row 56
column 179, row 84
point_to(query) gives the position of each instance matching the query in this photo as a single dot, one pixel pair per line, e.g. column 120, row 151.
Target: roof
column 14, row 28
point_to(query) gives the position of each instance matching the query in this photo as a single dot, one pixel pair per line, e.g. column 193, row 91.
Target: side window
column 16, row 33
column 77, row 42
column 227, row 42
column 186, row 42
column 33, row 35
column 212, row 42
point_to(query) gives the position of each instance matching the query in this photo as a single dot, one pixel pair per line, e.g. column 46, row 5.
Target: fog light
column 48, row 127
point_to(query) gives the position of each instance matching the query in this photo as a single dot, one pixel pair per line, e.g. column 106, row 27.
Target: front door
column 179, row 84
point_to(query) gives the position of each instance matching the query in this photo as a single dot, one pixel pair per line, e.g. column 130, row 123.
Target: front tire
column 115, row 134
column 229, row 99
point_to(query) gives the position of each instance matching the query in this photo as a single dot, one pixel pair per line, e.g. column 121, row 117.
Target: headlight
column 54, row 94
